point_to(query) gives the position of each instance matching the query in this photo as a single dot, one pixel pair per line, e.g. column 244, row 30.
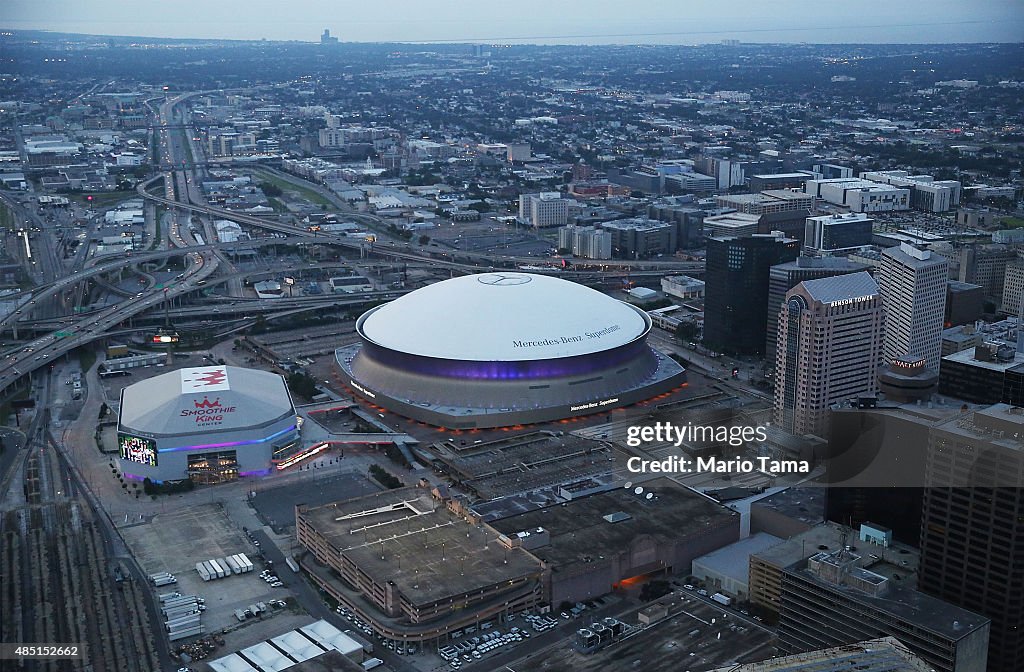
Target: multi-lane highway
column 183, row 198
column 87, row 328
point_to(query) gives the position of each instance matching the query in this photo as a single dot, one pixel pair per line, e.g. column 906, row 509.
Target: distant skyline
column 533, row 21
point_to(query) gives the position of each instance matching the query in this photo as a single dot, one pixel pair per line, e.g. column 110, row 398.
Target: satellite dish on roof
column 629, row 484
column 649, row 495
column 638, row 490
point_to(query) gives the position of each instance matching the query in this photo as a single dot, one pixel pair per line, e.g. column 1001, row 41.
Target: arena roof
column 502, row 317
column 203, row 399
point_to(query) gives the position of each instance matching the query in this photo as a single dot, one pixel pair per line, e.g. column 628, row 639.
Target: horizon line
column 536, row 40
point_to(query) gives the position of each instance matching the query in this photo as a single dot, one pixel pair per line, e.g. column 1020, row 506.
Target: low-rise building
column 544, row 210
column 727, row 570
column 602, row 539
column 989, row 373
column 683, row 287
column 768, row 201
column 352, row 283
column 640, row 238
column 860, row 195
column 960, row 338
column 926, row 193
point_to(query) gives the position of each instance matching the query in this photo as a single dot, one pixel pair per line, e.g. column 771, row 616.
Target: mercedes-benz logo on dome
column 503, row 279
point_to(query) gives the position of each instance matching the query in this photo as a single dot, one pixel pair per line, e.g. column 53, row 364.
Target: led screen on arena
column 169, row 417
column 137, row 449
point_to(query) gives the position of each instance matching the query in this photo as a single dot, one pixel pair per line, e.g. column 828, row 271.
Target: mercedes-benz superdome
column 505, row 348
column 209, row 424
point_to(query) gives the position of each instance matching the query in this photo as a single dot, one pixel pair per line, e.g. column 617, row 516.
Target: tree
column 424, row 239
column 302, row 385
column 686, row 331
column 385, row 478
column 271, row 190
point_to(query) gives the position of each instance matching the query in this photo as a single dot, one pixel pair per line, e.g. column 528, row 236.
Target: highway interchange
column 208, row 263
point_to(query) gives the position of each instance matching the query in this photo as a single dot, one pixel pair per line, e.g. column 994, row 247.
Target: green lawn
column 102, row 199
column 304, row 192
column 188, row 148
column 6, row 217
column 1012, row 222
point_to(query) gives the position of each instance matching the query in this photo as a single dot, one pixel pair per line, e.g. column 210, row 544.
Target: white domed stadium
column 210, row 424
column 505, row 348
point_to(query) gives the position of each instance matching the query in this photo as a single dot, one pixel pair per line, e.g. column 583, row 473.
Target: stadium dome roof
column 503, row 316
column 204, row 399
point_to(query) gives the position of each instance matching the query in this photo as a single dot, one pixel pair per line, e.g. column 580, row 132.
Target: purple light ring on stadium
column 207, row 446
column 516, row 370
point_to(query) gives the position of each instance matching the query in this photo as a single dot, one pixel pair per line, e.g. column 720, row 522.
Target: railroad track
column 56, row 583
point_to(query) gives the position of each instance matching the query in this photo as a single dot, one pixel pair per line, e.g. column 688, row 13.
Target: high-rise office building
column 736, row 289
column 829, row 349
column 965, row 303
column 1013, row 288
column 985, row 265
column 785, row 277
column 972, row 532
column 913, row 284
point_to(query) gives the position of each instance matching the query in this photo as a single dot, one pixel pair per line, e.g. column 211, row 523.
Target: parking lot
column 695, row 636
column 466, row 647
column 474, row 647
column 175, row 542
column 490, row 236
column 276, row 505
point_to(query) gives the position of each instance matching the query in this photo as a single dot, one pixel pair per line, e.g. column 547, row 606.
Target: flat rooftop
column 877, row 655
column 804, row 504
column 407, row 537
column 785, row 194
column 509, row 466
column 967, row 357
column 734, row 560
column 580, row 533
column 898, row 559
column 784, row 176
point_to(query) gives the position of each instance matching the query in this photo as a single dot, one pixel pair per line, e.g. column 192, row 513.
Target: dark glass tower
column 972, row 538
column 736, row 290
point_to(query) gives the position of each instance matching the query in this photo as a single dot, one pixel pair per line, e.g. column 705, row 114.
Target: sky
column 533, row 21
